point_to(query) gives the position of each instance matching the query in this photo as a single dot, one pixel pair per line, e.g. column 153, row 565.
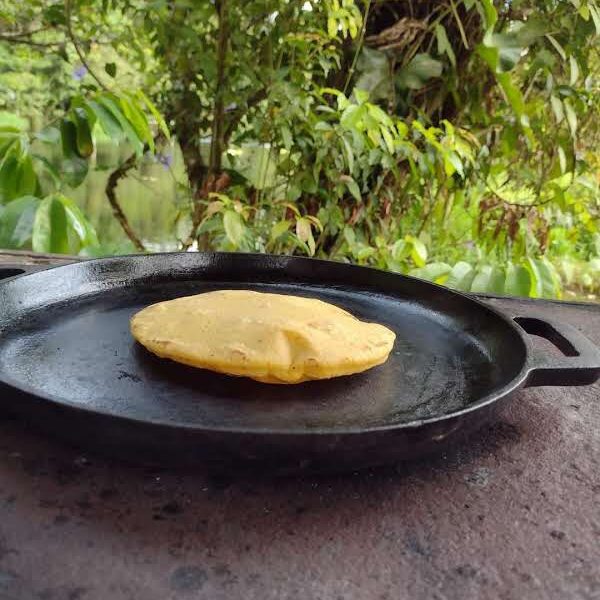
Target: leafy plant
column 34, row 210
column 455, row 141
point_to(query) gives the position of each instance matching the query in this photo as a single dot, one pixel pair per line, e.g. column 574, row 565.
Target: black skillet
column 68, row 364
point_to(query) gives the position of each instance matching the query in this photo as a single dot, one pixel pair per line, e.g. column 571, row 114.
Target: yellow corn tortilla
column 272, row 338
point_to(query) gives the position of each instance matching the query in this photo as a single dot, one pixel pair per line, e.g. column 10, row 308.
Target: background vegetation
column 455, row 140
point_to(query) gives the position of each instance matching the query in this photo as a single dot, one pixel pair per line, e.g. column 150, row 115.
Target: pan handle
column 8, row 271
column 580, row 364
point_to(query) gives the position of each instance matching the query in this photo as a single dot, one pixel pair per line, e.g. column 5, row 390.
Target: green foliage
column 536, row 278
column 455, row 141
column 34, row 212
column 16, row 222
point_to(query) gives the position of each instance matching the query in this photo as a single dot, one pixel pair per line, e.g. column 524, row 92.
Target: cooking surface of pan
column 65, row 343
column 83, row 354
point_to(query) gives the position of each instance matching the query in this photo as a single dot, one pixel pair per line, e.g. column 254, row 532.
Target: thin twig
column 429, row 211
column 28, row 33
column 217, row 142
column 463, row 35
column 111, row 186
column 26, row 42
column 508, row 202
column 218, row 129
column 361, row 40
column 76, row 45
column 239, row 112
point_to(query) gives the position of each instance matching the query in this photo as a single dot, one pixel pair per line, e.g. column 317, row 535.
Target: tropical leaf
column 16, row 222
column 234, row 227
column 488, row 280
column 279, row 229
column 418, row 71
column 461, row 276
column 50, row 232
column 436, row 272
column 518, row 281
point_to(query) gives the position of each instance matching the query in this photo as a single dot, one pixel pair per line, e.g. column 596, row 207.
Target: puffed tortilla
column 272, row 338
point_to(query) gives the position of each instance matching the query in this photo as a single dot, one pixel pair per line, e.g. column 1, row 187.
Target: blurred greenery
column 454, row 140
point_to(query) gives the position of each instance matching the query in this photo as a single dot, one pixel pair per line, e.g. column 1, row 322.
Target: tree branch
column 25, row 34
column 218, row 129
column 26, row 42
column 506, row 202
column 359, row 46
column 76, row 45
column 239, row 113
column 214, row 180
column 429, row 212
column 111, row 186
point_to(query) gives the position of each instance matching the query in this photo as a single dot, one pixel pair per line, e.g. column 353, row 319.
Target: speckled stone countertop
column 514, row 513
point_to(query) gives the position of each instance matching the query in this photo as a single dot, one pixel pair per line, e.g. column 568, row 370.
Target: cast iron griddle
column 68, row 364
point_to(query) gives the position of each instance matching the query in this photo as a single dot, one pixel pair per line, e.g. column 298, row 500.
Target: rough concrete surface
column 514, row 513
